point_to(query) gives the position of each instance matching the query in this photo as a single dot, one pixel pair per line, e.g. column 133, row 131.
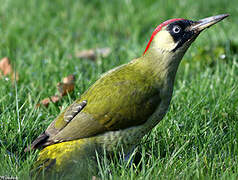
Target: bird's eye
column 176, row 29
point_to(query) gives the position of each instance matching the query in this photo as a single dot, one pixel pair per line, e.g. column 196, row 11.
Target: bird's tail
column 66, row 158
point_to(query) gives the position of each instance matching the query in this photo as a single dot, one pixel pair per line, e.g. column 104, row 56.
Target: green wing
column 122, row 98
column 125, row 99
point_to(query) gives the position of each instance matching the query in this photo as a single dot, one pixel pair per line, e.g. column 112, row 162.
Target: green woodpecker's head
column 176, row 35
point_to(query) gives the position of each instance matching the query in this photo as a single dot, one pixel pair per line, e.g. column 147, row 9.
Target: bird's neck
column 162, row 66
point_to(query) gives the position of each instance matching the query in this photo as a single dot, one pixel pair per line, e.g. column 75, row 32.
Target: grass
column 198, row 137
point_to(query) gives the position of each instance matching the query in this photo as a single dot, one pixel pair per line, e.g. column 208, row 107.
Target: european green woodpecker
column 125, row 103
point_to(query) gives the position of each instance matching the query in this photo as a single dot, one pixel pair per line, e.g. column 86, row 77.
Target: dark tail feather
column 41, row 139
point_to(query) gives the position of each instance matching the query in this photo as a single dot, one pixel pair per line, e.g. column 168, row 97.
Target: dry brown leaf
column 67, row 85
column 5, row 66
column 69, row 79
column 104, row 52
column 86, row 54
column 45, row 102
column 93, row 53
column 6, row 69
column 64, row 87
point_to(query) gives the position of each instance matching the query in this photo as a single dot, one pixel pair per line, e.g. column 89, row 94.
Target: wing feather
column 120, row 99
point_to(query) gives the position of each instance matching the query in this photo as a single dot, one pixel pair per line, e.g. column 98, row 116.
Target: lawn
column 198, row 137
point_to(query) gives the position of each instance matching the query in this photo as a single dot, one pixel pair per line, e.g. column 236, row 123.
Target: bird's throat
column 161, row 65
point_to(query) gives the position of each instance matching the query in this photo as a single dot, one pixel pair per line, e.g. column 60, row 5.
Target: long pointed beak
column 202, row 24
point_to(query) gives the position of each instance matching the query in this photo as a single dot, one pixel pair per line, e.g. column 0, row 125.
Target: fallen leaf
column 104, row 52
column 86, row 54
column 64, row 87
column 67, row 85
column 5, row 66
column 69, row 79
column 93, row 53
column 6, row 69
column 45, row 102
